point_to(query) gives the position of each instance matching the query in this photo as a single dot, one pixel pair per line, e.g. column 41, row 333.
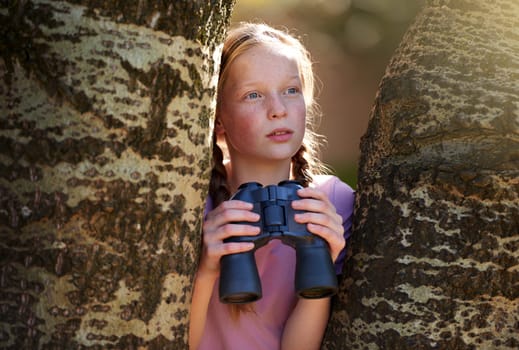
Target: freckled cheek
column 246, row 124
column 250, row 133
column 243, row 132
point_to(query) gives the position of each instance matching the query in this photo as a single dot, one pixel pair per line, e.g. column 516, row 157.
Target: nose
column 277, row 107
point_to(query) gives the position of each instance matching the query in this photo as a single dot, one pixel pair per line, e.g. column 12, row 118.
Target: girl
column 262, row 128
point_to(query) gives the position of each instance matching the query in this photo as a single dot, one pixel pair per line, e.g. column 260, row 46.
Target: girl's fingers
column 333, row 235
column 309, row 192
column 332, row 221
column 321, row 218
column 230, row 211
column 226, row 231
column 216, row 251
column 212, row 254
column 335, row 241
column 220, row 224
column 233, row 248
column 313, row 200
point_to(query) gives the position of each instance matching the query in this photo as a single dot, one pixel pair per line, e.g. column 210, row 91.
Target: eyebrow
column 295, row 77
column 255, row 82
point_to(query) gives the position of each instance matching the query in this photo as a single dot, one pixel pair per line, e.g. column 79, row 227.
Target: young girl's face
column 262, row 109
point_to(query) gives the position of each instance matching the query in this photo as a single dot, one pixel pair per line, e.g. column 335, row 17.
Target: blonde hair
column 305, row 163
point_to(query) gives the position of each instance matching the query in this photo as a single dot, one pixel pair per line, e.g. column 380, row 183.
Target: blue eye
column 253, row 95
column 292, row 91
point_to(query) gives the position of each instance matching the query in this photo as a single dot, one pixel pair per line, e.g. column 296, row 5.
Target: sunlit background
column 351, row 42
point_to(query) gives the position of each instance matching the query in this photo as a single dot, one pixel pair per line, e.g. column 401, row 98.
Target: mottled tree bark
column 435, row 251
column 106, row 109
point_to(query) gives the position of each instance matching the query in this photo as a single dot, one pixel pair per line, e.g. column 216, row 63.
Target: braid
column 218, row 189
column 301, row 168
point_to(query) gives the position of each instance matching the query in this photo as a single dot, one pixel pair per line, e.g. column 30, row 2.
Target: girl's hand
column 321, row 218
column 218, row 226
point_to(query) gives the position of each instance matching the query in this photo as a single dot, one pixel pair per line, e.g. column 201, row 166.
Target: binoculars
column 315, row 274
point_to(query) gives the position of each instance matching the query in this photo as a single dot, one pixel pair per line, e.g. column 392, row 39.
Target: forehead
column 268, row 60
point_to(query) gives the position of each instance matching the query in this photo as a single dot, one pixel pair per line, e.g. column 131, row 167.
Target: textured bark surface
column 435, row 251
column 106, row 109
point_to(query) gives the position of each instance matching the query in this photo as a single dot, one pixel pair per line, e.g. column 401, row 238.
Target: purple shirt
column 263, row 328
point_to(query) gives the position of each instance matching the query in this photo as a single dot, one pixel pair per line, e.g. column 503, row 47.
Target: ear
column 218, row 127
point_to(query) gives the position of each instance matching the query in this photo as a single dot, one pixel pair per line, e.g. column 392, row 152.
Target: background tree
column 435, row 262
column 106, row 109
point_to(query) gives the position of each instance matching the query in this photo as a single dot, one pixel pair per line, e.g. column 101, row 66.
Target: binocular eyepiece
column 315, row 274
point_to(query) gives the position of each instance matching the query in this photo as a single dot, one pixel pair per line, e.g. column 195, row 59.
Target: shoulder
column 335, row 188
column 340, row 194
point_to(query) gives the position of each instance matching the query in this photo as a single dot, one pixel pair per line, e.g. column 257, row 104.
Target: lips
column 280, row 135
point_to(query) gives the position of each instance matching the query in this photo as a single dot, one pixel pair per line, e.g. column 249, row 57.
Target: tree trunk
column 435, row 251
column 106, row 108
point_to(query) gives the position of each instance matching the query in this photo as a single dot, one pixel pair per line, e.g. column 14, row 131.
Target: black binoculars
column 315, row 274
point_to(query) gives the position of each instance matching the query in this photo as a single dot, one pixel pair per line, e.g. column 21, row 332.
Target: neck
column 270, row 173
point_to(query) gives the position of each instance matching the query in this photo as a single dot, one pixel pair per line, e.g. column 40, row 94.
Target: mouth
column 280, row 135
column 280, row 132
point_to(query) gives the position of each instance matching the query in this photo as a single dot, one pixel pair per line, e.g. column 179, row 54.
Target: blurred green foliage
column 347, row 172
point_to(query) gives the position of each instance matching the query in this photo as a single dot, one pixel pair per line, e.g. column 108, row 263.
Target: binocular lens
column 240, row 298
column 317, row 292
